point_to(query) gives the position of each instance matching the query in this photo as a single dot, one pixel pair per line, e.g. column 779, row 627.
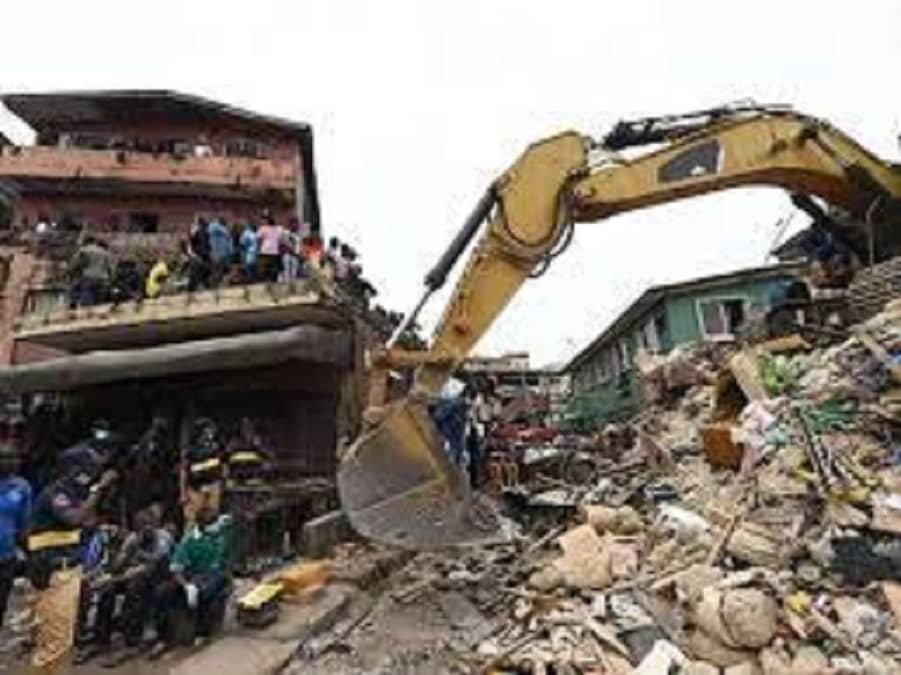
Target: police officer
column 246, row 461
column 246, row 469
column 203, row 471
column 63, row 544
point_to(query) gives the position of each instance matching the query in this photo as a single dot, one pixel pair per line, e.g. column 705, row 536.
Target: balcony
column 76, row 164
column 173, row 318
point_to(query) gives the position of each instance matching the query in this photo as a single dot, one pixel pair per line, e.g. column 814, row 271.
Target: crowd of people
column 117, row 543
column 217, row 253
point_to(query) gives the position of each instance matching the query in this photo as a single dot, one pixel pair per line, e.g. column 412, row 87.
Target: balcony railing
column 74, row 164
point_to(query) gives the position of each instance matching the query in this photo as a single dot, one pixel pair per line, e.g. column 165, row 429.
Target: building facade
column 149, row 161
column 525, row 393
column 604, row 382
column 134, row 168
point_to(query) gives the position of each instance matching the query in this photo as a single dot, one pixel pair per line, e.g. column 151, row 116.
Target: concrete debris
column 771, row 548
column 700, row 668
column 740, row 618
column 892, row 592
column 586, row 562
column 661, row 660
column 862, row 622
column 809, row 660
column 624, row 520
column 707, row 648
column 746, row 668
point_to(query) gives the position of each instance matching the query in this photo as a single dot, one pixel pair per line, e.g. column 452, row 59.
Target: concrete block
column 321, row 534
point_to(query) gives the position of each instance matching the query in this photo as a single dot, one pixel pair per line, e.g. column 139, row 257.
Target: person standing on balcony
column 270, row 236
column 249, row 250
column 156, row 277
column 199, row 255
column 90, row 270
column 291, row 260
column 221, row 249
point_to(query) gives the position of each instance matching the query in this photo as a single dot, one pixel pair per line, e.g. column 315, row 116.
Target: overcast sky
column 416, row 106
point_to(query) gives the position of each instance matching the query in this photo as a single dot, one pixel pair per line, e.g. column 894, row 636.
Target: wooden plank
column 880, row 353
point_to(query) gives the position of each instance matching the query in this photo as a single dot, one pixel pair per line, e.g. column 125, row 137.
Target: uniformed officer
column 203, row 471
column 246, row 460
column 63, row 544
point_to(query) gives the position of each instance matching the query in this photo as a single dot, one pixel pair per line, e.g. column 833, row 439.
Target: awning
column 301, row 343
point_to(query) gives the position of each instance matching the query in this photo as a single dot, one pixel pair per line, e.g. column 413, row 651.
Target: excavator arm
column 396, row 482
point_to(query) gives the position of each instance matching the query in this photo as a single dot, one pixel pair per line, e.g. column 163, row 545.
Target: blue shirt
column 249, row 245
column 220, row 241
column 15, row 508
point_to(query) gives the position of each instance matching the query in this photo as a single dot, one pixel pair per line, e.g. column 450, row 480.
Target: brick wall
column 20, row 267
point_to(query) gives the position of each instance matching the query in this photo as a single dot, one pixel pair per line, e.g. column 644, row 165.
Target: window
column 624, row 354
column 143, row 222
column 649, row 337
column 597, row 368
column 6, row 215
column 661, row 327
column 722, row 317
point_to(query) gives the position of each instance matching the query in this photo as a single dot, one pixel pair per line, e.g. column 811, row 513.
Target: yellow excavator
column 395, row 481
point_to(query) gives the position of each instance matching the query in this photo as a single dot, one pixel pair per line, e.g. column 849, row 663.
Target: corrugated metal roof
column 50, row 110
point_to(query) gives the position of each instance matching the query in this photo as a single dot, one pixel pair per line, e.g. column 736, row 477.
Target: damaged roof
column 53, row 110
column 655, row 294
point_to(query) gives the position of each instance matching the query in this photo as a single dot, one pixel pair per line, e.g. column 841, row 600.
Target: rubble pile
column 762, row 536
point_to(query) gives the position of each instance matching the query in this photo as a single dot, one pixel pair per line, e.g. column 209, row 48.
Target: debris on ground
column 753, row 527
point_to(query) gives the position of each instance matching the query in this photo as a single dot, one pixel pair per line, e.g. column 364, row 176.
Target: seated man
column 138, row 568
column 200, row 579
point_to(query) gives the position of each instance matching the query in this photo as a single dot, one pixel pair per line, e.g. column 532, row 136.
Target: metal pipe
column 438, row 274
column 409, row 319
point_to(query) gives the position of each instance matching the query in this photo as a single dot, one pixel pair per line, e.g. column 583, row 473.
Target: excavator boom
column 396, row 482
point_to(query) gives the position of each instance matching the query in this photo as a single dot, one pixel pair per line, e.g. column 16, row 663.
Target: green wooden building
column 604, row 383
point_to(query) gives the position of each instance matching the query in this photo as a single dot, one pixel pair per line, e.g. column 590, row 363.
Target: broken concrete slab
column 238, row 655
column 585, row 563
column 746, row 668
column 661, row 660
column 321, row 534
column 298, row 622
column 809, row 660
column 700, row 668
column 739, row 618
column 892, row 592
column 709, row 649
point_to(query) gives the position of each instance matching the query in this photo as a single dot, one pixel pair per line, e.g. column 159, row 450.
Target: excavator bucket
column 398, row 486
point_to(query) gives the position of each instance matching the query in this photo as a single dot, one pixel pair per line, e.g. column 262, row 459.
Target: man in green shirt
column 200, row 579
